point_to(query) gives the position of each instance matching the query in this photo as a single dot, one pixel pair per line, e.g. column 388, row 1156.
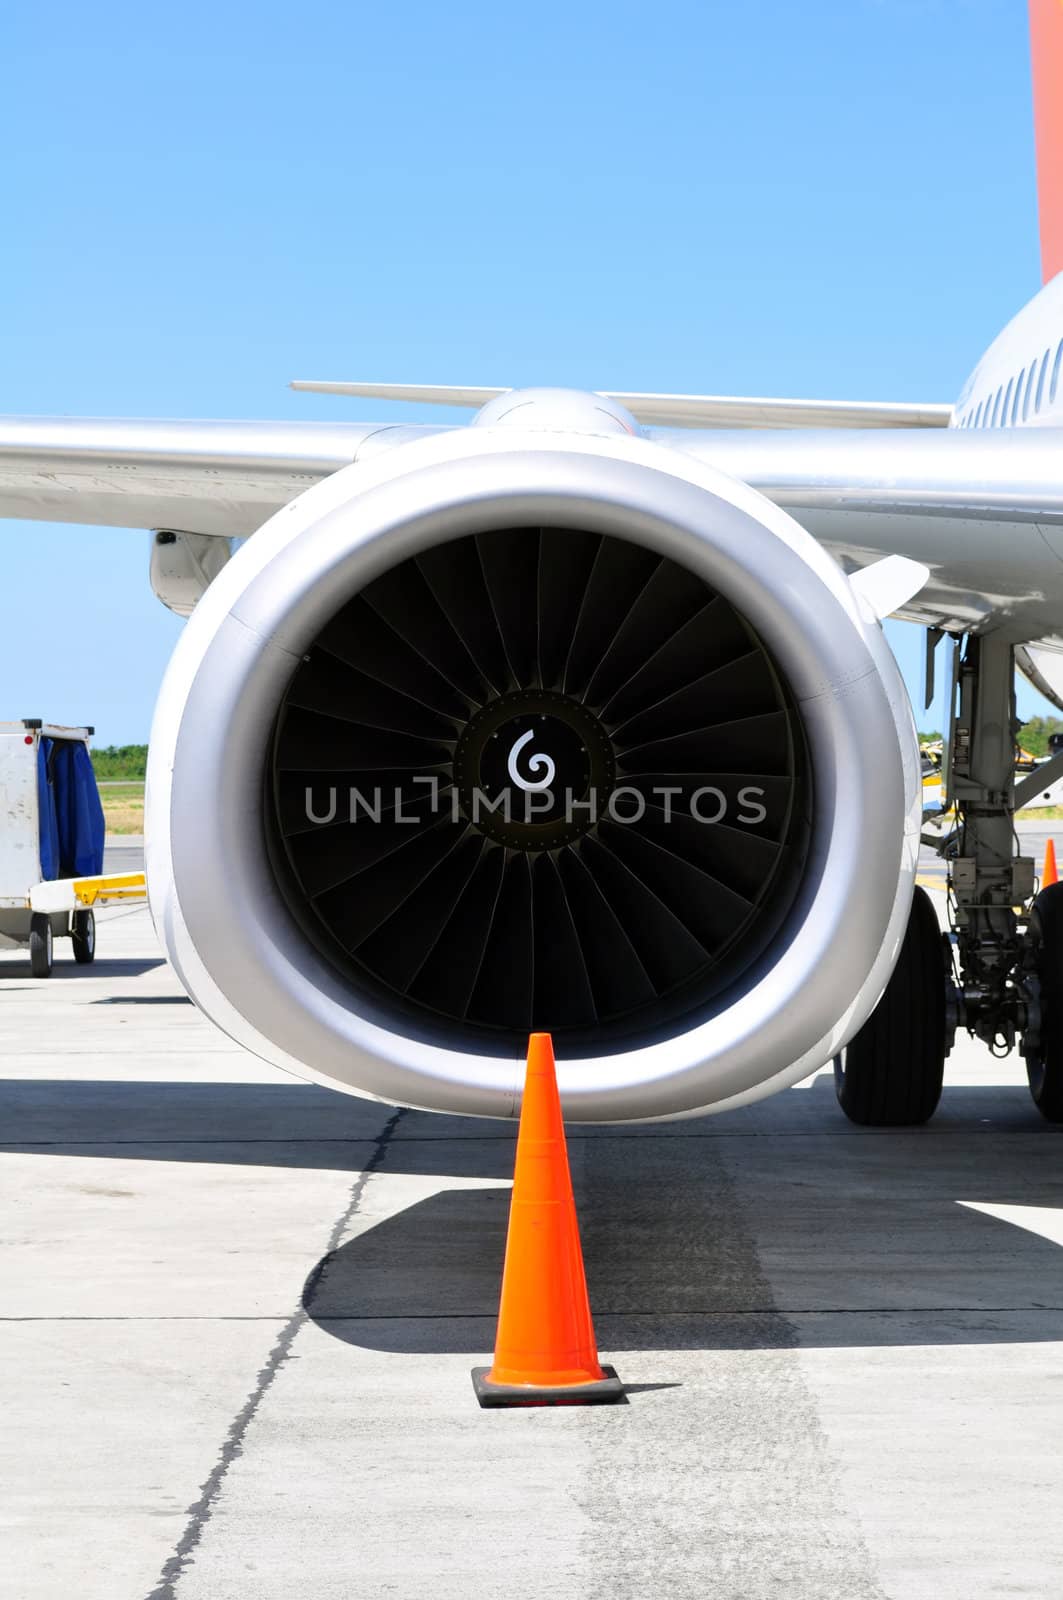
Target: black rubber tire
column 40, row 945
column 890, row 1074
column 1044, row 1071
column 83, row 937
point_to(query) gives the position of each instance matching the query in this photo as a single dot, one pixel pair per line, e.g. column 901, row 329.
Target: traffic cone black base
column 607, row 1391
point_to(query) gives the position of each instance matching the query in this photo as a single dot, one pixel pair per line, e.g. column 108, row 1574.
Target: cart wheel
column 41, row 945
column 83, row 937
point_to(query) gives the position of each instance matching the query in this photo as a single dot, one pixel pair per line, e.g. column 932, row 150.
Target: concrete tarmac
column 239, row 1314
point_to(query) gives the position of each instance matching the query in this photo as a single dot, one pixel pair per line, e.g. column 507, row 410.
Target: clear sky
column 201, row 202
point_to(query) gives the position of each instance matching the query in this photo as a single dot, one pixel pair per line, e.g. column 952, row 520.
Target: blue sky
column 832, row 199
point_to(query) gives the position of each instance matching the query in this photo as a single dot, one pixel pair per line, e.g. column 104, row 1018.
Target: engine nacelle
column 510, row 728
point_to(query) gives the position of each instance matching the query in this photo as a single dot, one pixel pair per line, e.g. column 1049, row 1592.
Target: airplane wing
column 221, row 478
column 679, row 410
column 983, row 510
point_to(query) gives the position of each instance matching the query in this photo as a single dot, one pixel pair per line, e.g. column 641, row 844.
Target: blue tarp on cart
column 71, row 816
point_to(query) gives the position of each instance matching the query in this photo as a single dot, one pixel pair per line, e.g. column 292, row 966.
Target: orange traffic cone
column 1048, row 872
column 545, row 1352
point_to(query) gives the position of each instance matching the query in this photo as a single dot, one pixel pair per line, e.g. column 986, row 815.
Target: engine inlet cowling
column 540, row 778
column 510, row 729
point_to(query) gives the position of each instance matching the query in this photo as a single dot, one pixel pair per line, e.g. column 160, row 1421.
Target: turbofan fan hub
column 534, row 770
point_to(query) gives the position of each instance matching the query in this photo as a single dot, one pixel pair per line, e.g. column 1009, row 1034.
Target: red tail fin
column 1046, row 46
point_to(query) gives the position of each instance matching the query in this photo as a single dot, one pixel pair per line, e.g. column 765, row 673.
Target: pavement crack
column 200, row 1512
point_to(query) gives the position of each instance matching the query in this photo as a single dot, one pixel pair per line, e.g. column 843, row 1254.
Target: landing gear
column 41, row 946
column 1043, row 1043
column 890, row 1074
column 990, row 883
column 83, row 937
column 1009, row 946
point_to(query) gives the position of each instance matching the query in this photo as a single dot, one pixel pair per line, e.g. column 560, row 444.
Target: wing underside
column 221, row 478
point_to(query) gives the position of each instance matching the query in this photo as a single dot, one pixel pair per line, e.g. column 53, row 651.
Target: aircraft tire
column 1044, row 1068
column 890, row 1073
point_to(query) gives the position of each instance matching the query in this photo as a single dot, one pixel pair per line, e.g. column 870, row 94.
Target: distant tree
column 123, row 761
column 930, row 738
column 1034, row 734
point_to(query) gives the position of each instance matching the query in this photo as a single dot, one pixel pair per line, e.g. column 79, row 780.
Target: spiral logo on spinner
column 539, row 762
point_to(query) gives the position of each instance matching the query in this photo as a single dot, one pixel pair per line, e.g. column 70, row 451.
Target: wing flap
column 678, row 410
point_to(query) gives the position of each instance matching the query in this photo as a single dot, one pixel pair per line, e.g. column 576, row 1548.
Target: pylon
column 545, row 1352
column 1048, row 872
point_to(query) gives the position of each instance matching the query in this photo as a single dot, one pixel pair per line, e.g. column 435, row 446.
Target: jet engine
column 537, row 724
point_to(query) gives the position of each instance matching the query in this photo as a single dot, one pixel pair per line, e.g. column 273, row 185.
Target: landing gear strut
column 990, row 884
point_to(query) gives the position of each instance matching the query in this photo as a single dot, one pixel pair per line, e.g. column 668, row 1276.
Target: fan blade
column 506, row 984
column 328, row 686
column 407, row 604
column 311, row 742
column 620, row 573
column 618, row 979
column 710, row 911
column 330, row 856
column 563, row 995
column 360, row 637
column 401, row 945
column 566, row 561
column 711, row 638
column 448, row 977
column 355, row 908
column 743, row 688
column 740, row 859
column 510, row 562
column 455, row 576
column 753, row 744
column 665, row 946
column 667, row 603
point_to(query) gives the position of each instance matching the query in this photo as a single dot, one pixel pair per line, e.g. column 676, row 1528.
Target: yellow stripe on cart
column 67, row 894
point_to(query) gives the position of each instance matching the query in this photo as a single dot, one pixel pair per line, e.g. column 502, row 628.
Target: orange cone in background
column 1048, row 872
column 545, row 1352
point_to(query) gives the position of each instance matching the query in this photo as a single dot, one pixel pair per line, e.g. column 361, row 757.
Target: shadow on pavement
column 773, row 1226
column 690, row 1244
column 102, row 967
column 256, row 1122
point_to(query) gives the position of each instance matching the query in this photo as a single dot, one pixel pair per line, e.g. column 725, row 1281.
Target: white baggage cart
column 51, row 841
